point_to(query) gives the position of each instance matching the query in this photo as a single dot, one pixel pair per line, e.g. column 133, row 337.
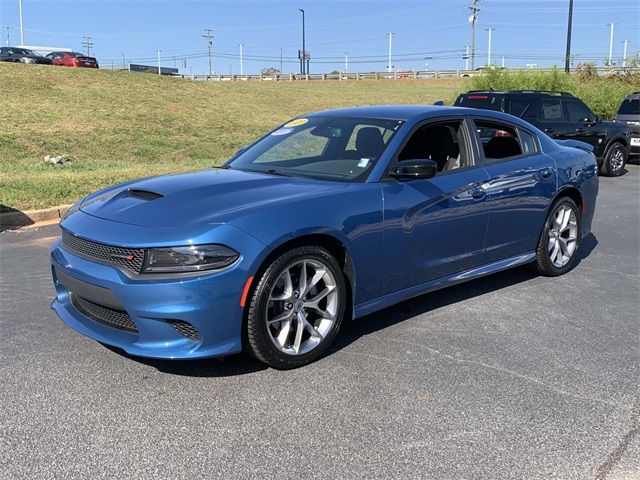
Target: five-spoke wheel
column 559, row 242
column 296, row 308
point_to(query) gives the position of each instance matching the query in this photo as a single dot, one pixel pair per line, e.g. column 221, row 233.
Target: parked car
column 21, row 55
column 629, row 114
column 73, row 59
column 333, row 215
column 562, row 116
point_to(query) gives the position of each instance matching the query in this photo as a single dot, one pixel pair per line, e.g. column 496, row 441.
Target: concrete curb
column 18, row 219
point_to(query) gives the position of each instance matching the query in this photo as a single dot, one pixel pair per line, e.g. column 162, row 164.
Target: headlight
column 192, row 258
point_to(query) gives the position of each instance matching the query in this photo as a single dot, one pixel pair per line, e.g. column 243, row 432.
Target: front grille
column 185, row 329
column 129, row 258
column 105, row 315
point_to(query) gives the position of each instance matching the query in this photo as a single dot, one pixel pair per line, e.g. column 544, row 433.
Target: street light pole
column 390, row 40
column 567, row 55
column 21, row 23
column 241, row 63
column 611, row 44
column 346, row 62
column 159, row 71
column 304, row 53
column 624, row 54
column 491, row 29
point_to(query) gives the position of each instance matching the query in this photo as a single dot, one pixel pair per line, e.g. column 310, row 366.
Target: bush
column 602, row 94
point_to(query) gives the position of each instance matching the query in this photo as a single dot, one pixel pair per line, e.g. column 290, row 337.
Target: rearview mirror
column 415, row 169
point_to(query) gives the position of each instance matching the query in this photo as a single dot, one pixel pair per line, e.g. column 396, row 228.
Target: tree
column 269, row 71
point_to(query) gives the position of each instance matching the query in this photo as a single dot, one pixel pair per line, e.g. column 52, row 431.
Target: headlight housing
column 192, row 258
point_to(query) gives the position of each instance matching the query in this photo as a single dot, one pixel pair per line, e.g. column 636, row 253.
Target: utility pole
column 567, row 55
column 490, row 29
column 390, row 40
column 503, row 61
column 281, row 60
column 346, row 62
column 208, row 34
column 21, row 23
column 124, row 62
column 159, row 70
column 241, row 66
column 473, row 19
column 87, row 43
column 466, row 59
column 611, row 44
column 624, row 54
column 8, row 35
column 303, row 70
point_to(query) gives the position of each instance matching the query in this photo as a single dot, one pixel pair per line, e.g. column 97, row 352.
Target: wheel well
column 573, row 193
column 332, row 244
column 619, row 140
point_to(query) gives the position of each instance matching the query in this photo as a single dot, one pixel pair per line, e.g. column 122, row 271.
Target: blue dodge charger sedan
column 332, row 215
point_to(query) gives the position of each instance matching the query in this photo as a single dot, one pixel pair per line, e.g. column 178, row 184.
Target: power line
column 208, row 34
column 87, row 42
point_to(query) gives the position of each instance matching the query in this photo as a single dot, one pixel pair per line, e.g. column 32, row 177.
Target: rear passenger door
column 550, row 118
column 522, row 183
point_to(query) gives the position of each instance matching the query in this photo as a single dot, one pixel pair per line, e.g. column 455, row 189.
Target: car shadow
column 11, row 219
column 351, row 331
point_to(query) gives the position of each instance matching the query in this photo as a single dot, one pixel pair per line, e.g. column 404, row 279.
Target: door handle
column 549, row 130
column 546, row 173
column 579, row 130
column 478, row 192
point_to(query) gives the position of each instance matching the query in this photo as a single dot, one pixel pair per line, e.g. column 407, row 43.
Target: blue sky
column 424, row 32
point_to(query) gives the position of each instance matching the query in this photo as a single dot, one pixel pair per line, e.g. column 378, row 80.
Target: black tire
column 544, row 263
column 258, row 335
column 611, row 166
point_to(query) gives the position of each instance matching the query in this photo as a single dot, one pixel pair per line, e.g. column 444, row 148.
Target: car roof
column 526, row 93
column 398, row 112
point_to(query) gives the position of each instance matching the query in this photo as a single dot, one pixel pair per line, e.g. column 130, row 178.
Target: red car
column 73, row 59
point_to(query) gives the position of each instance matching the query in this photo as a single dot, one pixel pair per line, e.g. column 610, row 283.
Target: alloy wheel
column 302, row 307
column 563, row 236
column 617, row 160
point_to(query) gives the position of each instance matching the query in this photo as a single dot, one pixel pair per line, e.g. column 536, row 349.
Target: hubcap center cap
column 297, row 307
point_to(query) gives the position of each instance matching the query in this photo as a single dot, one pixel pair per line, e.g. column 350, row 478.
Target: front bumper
column 165, row 312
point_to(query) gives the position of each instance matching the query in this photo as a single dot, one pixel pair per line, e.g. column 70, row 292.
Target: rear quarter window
column 630, row 106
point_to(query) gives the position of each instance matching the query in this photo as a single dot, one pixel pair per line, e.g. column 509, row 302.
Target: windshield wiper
column 273, row 171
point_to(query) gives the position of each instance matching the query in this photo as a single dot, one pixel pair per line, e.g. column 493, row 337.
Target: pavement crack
column 613, row 459
column 513, row 373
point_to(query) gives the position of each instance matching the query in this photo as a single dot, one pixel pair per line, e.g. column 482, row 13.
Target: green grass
column 119, row 125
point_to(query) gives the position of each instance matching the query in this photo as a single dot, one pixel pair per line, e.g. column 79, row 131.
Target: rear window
column 480, row 100
column 630, row 107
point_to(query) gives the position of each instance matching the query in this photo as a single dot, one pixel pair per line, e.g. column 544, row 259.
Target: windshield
column 630, row 107
column 328, row 148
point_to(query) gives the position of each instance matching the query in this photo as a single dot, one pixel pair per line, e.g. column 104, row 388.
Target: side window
column 442, row 142
column 498, row 140
column 518, row 107
column 528, row 142
column 550, row 111
column 578, row 112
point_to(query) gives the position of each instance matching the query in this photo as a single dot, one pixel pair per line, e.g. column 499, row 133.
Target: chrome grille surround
column 130, row 258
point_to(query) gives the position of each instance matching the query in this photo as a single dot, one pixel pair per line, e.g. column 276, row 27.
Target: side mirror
column 415, row 170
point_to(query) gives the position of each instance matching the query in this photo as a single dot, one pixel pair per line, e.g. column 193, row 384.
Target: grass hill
column 121, row 125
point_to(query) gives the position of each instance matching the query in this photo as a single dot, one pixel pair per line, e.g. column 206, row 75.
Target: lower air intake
column 105, row 315
column 185, row 329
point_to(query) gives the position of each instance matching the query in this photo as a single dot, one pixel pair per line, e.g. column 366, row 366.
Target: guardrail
column 400, row 75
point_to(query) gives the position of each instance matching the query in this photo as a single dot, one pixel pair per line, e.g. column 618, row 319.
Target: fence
column 413, row 74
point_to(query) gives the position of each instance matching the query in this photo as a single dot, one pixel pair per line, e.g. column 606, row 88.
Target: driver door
column 434, row 227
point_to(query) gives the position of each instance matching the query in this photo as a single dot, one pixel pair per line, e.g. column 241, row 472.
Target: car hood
column 210, row 196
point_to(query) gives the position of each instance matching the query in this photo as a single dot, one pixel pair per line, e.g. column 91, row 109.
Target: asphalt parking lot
column 510, row 376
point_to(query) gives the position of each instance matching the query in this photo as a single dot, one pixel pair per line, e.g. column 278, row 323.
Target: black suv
column 562, row 116
column 629, row 114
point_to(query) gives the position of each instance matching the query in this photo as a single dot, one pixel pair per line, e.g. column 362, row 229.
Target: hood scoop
column 143, row 194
